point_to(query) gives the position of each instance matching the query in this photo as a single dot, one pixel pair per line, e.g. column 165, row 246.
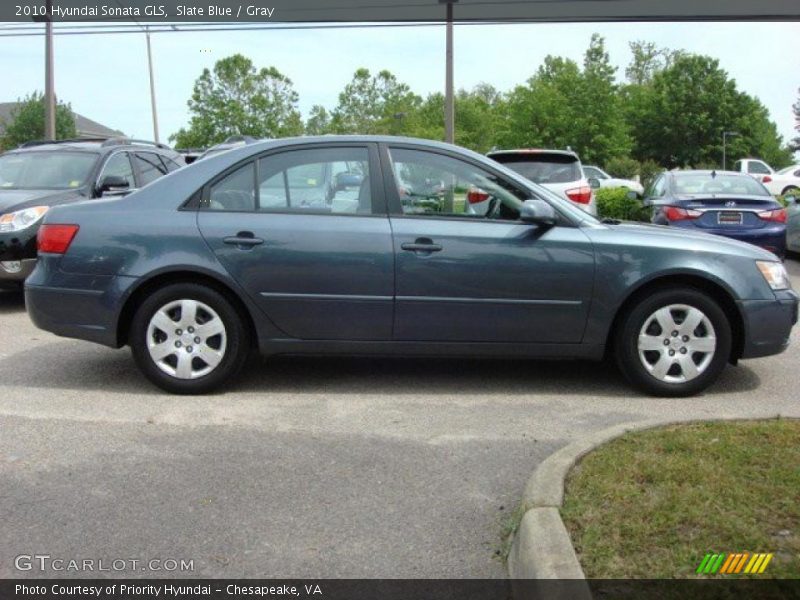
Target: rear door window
column 234, row 192
column 327, row 180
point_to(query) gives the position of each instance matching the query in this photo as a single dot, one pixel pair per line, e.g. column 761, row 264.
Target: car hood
column 12, row 200
column 686, row 240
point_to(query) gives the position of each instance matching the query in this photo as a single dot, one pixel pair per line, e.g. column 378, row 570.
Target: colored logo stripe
column 734, row 563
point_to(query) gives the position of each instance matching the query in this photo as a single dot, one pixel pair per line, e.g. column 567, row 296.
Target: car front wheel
column 674, row 342
column 188, row 339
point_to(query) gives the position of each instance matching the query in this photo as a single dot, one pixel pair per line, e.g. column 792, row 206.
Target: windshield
column 711, row 183
column 45, row 170
column 543, row 168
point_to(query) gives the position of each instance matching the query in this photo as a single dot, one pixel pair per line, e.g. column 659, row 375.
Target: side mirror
column 594, row 183
column 112, row 183
column 632, row 195
column 538, row 212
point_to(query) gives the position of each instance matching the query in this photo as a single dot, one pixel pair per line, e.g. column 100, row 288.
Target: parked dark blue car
column 261, row 248
column 723, row 203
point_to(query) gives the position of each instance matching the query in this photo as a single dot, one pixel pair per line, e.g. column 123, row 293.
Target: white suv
column 560, row 171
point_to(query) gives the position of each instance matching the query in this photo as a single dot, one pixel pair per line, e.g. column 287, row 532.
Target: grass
column 651, row 504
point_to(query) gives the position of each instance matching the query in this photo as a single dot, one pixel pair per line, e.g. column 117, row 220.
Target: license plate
column 729, row 218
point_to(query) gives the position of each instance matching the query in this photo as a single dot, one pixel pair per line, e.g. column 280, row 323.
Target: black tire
column 234, row 353
column 626, row 345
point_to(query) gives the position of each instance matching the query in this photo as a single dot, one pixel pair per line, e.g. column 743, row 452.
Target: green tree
column 27, row 122
column 680, row 115
column 378, row 104
column 319, row 121
column 476, row 115
column 236, row 98
column 647, row 60
column 564, row 105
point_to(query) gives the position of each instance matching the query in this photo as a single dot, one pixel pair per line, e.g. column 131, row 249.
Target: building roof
column 86, row 127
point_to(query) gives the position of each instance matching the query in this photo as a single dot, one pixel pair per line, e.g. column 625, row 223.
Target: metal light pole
column 152, row 85
column 449, row 99
column 49, row 78
column 725, row 136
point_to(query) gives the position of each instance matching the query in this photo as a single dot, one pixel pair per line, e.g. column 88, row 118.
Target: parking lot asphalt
column 306, row 467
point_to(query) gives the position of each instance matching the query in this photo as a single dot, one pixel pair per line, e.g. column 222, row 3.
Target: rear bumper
column 768, row 324
column 85, row 307
column 769, row 238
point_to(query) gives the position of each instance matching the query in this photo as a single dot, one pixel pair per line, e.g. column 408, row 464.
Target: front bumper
column 16, row 271
column 17, row 255
column 768, row 324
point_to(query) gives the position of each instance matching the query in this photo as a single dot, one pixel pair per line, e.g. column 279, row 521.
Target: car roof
column 533, row 151
column 94, row 144
column 266, row 144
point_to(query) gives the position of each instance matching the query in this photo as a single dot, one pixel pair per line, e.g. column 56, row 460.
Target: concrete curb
column 542, row 547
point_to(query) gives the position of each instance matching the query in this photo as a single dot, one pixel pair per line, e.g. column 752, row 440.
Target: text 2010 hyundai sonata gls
column 372, row 245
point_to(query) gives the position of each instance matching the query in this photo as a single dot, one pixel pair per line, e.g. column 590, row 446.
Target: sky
column 105, row 77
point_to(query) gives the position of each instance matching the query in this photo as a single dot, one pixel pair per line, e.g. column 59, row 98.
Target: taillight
column 476, row 196
column 55, row 239
column 581, row 195
column 776, row 216
column 767, row 179
column 675, row 213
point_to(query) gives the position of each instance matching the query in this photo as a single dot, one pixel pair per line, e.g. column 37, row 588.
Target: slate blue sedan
column 263, row 248
column 730, row 204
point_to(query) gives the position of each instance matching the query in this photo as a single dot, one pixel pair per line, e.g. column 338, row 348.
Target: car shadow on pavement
column 73, row 365
column 11, row 302
column 415, row 376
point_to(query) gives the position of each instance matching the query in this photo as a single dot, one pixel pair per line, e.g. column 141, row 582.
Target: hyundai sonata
column 343, row 245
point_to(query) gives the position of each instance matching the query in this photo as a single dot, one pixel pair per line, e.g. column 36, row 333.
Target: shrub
column 648, row 171
column 623, row 167
column 614, row 203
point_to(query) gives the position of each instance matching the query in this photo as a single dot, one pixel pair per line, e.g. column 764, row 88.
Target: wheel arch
column 163, row 278
column 718, row 291
column 789, row 188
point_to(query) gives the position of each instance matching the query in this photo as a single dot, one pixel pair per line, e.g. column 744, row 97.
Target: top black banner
column 321, row 11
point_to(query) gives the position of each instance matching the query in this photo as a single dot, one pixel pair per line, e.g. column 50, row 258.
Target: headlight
column 21, row 219
column 774, row 273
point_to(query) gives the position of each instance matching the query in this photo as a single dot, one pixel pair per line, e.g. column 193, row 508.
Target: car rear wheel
column 188, row 339
column 674, row 342
column 792, row 189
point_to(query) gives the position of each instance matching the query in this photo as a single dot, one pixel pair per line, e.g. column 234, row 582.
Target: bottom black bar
column 397, row 589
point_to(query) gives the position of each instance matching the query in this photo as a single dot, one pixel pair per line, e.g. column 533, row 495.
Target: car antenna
column 714, row 174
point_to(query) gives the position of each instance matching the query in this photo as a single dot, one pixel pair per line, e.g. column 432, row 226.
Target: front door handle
column 422, row 245
column 243, row 239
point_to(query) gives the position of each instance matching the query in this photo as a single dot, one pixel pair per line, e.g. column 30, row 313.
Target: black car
column 39, row 175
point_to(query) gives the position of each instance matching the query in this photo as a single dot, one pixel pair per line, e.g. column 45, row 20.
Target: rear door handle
column 423, row 245
column 243, row 239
